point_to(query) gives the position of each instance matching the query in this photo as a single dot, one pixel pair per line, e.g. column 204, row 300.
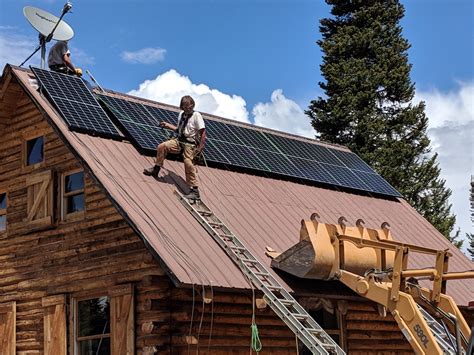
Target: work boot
column 153, row 171
column 193, row 194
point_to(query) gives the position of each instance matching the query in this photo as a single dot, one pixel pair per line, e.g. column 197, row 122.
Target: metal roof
column 261, row 211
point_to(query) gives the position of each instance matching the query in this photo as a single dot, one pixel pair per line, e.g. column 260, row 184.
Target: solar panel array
column 253, row 149
column 76, row 103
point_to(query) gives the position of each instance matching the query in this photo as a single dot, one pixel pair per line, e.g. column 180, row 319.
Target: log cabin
column 96, row 258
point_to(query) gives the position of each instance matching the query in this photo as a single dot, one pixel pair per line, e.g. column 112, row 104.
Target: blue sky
column 257, row 61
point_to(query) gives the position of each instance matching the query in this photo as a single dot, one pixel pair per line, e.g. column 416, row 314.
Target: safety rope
column 255, row 343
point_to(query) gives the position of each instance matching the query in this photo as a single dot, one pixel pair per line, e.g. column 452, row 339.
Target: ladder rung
column 266, row 274
column 205, row 213
column 276, row 288
column 300, row 316
column 249, row 261
column 216, row 224
column 287, row 302
column 315, row 331
column 229, row 236
column 238, row 248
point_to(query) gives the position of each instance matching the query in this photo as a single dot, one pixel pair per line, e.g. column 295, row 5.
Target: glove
column 78, row 72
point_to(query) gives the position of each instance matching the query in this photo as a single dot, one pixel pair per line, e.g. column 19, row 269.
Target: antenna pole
column 95, row 81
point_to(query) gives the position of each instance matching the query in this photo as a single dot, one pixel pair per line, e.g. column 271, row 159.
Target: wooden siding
column 93, row 253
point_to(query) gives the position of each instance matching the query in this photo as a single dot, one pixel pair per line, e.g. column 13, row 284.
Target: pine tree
column 368, row 105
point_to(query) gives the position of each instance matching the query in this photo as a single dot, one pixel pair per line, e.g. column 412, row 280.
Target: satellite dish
column 44, row 23
column 49, row 27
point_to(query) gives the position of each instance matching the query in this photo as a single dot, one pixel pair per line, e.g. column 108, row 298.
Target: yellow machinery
column 375, row 266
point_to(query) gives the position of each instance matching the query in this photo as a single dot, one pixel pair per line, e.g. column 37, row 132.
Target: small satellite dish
column 49, row 27
column 44, row 23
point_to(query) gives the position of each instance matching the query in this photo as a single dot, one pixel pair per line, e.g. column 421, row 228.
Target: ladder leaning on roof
column 308, row 331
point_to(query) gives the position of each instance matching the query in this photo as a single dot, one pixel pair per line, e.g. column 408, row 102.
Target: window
column 93, row 326
column 34, row 151
column 3, row 212
column 73, row 194
column 330, row 318
column 102, row 322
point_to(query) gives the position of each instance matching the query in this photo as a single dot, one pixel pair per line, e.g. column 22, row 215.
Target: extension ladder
column 308, row 331
column 443, row 337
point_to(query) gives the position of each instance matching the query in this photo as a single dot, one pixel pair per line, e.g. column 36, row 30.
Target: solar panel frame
column 76, row 104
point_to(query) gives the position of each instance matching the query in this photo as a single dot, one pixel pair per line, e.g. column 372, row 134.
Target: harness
column 182, row 139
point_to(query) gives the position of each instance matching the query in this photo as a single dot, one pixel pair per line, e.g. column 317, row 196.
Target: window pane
column 94, row 316
column 3, row 201
column 3, row 223
column 75, row 203
column 75, row 182
column 95, row 347
column 34, row 151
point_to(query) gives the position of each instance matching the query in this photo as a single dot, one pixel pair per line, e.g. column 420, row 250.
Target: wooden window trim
column 68, row 217
column 3, row 211
column 24, row 150
column 46, row 189
column 55, row 324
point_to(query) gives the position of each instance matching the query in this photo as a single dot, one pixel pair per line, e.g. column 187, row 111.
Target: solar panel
column 238, row 155
column 376, row 183
column 76, row 103
column 239, row 146
column 141, row 121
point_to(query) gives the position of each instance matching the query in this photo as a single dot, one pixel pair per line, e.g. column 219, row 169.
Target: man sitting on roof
column 191, row 139
column 59, row 59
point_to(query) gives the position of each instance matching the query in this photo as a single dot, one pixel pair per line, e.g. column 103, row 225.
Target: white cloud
column 79, row 57
column 144, row 56
column 283, row 114
column 170, row 86
column 451, row 130
column 15, row 48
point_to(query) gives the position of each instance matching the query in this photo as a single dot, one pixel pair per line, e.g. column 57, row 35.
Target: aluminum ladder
column 308, row 331
column 446, row 341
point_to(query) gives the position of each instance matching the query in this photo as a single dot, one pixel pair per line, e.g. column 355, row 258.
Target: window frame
column 75, row 318
column 64, row 196
column 122, row 329
column 3, row 211
column 24, row 151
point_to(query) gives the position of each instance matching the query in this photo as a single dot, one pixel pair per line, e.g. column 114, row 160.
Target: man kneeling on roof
column 191, row 139
column 59, row 59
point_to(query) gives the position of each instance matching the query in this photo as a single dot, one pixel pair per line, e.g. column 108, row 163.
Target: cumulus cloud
column 451, row 130
column 144, row 56
column 170, row 86
column 283, row 114
column 15, row 47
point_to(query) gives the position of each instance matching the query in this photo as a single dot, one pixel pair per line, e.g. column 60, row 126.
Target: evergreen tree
column 368, row 105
